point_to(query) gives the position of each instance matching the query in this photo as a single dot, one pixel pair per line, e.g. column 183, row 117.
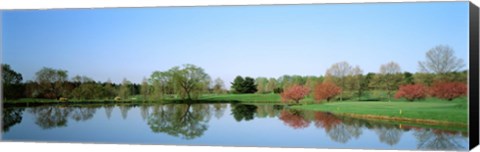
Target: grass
column 430, row 109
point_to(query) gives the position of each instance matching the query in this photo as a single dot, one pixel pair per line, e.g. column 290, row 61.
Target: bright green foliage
column 190, row 81
column 125, row 89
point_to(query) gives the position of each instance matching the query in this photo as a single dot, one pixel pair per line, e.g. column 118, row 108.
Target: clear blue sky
column 227, row 41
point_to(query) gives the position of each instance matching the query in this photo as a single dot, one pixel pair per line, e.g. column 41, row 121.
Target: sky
column 226, row 41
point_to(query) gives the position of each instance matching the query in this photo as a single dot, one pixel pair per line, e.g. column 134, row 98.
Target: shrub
column 412, row 92
column 326, row 91
column 117, row 99
column 448, row 90
column 63, row 99
column 295, row 93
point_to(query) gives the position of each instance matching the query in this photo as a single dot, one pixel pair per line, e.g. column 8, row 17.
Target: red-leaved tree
column 326, row 91
column 295, row 93
column 412, row 92
column 448, row 90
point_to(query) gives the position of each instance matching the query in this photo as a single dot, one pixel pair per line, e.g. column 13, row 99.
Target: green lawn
column 455, row 111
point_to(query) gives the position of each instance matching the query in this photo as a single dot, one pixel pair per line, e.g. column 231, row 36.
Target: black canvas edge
column 473, row 96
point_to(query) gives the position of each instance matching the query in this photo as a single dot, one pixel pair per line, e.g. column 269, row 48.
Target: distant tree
column 426, row 79
column 441, row 60
column 389, row 78
column 237, row 84
column 125, row 89
column 11, row 81
column 408, row 78
column 110, row 91
column 145, row 89
column 295, row 93
column 261, row 83
column 219, row 86
column 448, row 90
column 246, row 85
column 412, row 92
column 51, row 82
column 338, row 73
column 81, row 79
column 249, row 85
column 88, row 89
column 326, row 91
column 163, row 84
column 157, row 91
column 271, row 85
column 190, row 81
column 354, row 81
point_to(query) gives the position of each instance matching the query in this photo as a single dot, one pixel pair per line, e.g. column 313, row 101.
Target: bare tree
column 441, row 60
column 219, row 86
column 338, row 73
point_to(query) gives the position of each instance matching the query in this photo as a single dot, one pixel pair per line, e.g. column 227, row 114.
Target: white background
column 69, row 147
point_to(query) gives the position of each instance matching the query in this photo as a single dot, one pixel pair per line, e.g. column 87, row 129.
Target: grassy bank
column 430, row 111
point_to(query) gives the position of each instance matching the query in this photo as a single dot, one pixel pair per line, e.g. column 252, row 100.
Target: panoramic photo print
column 348, row 76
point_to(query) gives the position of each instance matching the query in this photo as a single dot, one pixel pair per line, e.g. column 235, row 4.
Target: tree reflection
column 124, row 110
column 438, row 140
column 243, row 112
column 187, row 121
column 326, row 120
column 389, row 135
column 108, row 110
column 48, row 117
column 82, row 113
column 11, row 117
column 219, row 110
column 294, row 119
column 343, row 133
column 144, row 111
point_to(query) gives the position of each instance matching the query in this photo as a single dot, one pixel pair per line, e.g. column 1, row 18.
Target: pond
column 260, row 125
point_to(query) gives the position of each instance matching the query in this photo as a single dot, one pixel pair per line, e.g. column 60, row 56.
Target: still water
column 216, row 125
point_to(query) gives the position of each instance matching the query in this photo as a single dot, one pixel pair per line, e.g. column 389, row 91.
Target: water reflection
column 187, row 121
column 11, row 117
column 243, row 112
column 48, row 117
column 191, row 121
column 438, row 140
column 390, row 135
column 294, row 118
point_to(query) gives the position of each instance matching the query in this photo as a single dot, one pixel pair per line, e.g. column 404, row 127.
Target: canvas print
column 355, row 76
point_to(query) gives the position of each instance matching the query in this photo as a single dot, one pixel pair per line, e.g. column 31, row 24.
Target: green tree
column 190, row 81
column 145, row 89
column 125, row 89
column 246, row 85
column 11, row 81
column 109, row 90
column 261, row 83
column 271, row 85
column 237, row 84
column 389, row 78
column 354, row 81
column 51, row 82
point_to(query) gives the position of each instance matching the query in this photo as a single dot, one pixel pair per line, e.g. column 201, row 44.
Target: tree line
column 342, row 81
